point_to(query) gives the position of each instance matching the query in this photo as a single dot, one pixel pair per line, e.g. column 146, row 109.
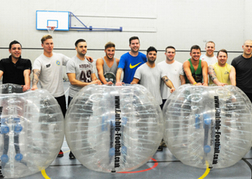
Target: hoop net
column 50, row 29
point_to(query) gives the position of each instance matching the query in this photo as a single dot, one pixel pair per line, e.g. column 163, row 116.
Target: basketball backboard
column 57, row 19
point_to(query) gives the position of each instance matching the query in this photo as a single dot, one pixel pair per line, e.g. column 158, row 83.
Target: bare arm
column 27, row 79
column 204, row 67
column 168, row 83
column 182, row 79
column 99, row 66
column 118, row 77
column 232, row 76
column 35, row 80
column 75, row 82
column 188, row 73
column 213, row 77
column 1, row 73
column 135, row 81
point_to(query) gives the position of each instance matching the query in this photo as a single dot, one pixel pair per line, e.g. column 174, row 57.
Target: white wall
column 181, row 23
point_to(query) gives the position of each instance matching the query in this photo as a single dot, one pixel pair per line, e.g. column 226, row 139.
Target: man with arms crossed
column 107, row 64
column 15, row 69
column 222, row 73
column 149, row 76
column 243, row 67
column 47, row 69
column 195, row 70
column 209, row 56
column 80, row 73
column 130, row 61
column 174, row 71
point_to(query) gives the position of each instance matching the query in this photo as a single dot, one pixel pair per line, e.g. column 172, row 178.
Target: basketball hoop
column 50, row 29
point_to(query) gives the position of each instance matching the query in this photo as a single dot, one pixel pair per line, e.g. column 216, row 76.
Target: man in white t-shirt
column 150, row 76
column 174, row 71
column 47, row 69
column 209, row 57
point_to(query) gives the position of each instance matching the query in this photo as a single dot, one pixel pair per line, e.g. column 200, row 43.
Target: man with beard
column 129, row 62
column 150, row 76
column 15, row 69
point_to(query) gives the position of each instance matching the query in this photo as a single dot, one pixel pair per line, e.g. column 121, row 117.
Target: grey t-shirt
column 51, row 77
column 150, row 78
column 82, row 69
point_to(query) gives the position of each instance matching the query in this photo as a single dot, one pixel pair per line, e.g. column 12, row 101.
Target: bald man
column 243, row 67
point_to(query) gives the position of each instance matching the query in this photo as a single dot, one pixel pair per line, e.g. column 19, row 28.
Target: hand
column 90, row 59
column 119, row 83
column 198, row 84
column 98, row 82
column 25, row 87
column 172, row 90
column 34, row 88
column 221, row 84
column 204, row 84
column 109, row 83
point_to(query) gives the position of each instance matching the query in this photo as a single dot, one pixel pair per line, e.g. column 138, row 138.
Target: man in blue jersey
column 129, row 62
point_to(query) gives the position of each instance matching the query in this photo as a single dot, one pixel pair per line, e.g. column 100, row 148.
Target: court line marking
column 154, row 166
column 206, row 172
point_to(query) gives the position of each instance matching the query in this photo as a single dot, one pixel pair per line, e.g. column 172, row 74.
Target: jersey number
column 85, row 77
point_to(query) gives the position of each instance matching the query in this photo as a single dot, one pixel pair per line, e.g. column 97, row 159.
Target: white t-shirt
column 173, row 72
column 82, row 69
column 209, row 60
column 51, row 77
column 150, row 78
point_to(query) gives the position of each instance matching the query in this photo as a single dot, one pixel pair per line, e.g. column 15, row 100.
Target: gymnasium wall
column 159, row 23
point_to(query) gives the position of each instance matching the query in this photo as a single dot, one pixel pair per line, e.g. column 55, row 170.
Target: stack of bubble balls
column 208, row 126
column 32, row 130
column 113, row 128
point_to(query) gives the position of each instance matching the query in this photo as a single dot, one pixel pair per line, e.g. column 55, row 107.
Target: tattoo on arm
column 212, row 73
column 36, row 77
column 165, row 79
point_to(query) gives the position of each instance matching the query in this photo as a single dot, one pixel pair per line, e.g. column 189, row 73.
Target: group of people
column 161, row 79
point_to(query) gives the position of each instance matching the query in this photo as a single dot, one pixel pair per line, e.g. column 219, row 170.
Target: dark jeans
column 62, row 102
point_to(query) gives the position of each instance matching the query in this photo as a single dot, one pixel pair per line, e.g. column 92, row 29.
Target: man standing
column 130, row 61
column 80, row 71
column 243, row 67
column 47, row 69
column 150, row 76
column 15, row 69
column 209, row 56
column 195, row 69
column 222, row 73
column 174, row 71
column 107, row 64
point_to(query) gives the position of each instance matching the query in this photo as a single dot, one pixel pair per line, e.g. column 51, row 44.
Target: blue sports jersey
column 129, row 64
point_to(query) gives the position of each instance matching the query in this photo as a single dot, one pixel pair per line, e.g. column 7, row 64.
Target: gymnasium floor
column 166, row 166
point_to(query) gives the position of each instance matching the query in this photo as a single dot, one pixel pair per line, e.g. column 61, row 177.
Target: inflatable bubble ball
column 32, row 130
column 113, row 128
column 208, row 126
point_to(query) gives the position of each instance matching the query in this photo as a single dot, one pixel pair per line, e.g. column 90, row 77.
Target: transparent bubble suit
column 32, row 130
column 208, row 126
column 113, row 128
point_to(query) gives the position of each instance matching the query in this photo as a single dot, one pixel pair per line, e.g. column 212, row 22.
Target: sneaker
column 71, row 155
column 61, row 154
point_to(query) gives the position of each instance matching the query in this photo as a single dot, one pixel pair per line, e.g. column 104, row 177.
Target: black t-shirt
column 243, row 67
column 14, row 73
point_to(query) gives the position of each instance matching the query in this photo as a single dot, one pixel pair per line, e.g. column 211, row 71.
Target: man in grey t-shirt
column 80, row 73
column 150, row 75
column 79, row 70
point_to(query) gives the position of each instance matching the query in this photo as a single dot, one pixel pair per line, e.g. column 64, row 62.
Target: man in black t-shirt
column 15, row 69
column 243, row 67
